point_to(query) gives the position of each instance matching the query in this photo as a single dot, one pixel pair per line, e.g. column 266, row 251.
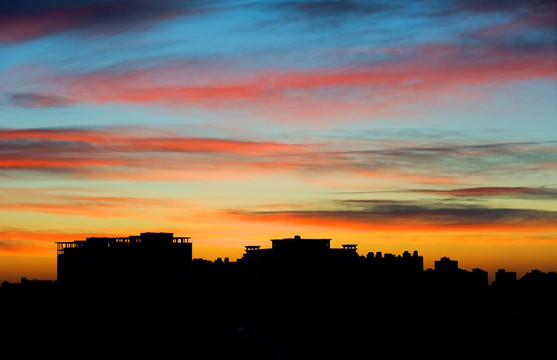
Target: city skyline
column 248, row 251
column 299, row 298
column 427, row 126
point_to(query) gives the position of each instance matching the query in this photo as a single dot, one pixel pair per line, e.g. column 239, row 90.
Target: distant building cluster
column 155, row 267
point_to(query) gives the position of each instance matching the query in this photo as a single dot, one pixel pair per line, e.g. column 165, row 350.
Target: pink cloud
column 131, row 154
column 421, row 75
column 57, row 202
column 123, row 153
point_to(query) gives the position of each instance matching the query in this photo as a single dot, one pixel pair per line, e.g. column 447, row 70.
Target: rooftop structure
column 298, row 250
column 148, row 239
column 297, row 242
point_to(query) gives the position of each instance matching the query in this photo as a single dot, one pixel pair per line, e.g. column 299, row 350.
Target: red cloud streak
column 117, row 140
column 412, row 223
column 439, row 67
column 118, row 152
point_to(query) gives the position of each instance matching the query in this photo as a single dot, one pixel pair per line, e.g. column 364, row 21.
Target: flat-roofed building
column 135, row 270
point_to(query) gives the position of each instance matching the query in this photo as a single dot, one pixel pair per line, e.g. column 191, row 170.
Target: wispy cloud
column 419, row 74
column 496, row 191
column 116, row 152
column 327, row 12
column 435, row 8
column 35, row 100
column 121, row 151
column 409, row 215
column 64, row 203
column 28, row 20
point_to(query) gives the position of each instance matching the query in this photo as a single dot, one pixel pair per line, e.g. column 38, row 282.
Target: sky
column 429, row 126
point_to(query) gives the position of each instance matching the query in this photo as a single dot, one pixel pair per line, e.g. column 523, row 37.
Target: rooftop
column 147, row 238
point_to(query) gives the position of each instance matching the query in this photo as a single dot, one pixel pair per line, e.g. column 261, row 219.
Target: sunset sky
column 429, row 127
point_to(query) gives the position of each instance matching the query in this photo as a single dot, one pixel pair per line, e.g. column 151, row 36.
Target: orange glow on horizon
column 515, row 249
column 409, row 224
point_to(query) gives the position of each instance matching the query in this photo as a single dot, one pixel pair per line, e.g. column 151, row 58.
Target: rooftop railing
column 61, row 246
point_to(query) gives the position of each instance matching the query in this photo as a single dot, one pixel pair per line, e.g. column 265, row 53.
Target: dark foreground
column 35, row 331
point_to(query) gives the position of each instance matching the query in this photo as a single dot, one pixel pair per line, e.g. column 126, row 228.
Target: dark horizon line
column 137, row 238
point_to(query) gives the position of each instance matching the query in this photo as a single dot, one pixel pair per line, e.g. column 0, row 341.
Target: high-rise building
column 305, row 275
column 150, row 268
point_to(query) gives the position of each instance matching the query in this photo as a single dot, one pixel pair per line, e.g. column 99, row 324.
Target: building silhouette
column 298, row 276
column 146, row 269
column 446, row 265
column 300, row 252
column 389, row 262
column 144, row 297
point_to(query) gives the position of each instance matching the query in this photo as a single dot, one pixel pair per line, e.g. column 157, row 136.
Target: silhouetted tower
column 446, row 265
column 137, row 270
column 305, row 272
